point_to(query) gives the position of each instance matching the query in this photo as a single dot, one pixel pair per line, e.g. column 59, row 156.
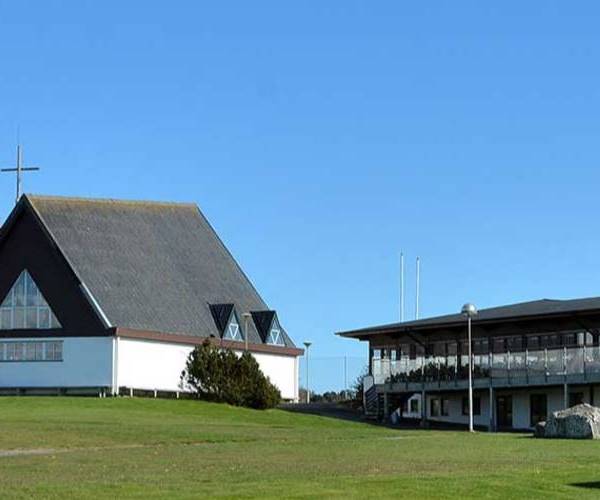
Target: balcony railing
column 522, row 366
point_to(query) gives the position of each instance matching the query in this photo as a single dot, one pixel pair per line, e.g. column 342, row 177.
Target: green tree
column 219, row 375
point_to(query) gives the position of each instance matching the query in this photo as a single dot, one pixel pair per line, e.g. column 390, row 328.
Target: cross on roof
column 19, row 169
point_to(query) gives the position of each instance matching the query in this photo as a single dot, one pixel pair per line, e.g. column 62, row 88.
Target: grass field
column 70, row 447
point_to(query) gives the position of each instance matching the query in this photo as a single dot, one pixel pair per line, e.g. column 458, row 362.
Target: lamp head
column 307, row 344
column 469, row 310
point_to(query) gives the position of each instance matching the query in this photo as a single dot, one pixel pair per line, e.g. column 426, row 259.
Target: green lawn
column 182, row 449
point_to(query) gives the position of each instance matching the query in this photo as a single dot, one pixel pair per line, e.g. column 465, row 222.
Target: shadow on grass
column 591, row 485
column 342, row 412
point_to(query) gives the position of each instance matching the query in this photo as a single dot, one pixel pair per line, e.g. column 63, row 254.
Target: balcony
column 573, row 365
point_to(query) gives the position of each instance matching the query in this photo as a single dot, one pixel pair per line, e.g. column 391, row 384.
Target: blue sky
column 322, row 138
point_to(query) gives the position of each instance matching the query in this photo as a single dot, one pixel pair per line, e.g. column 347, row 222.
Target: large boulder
column 580, row 422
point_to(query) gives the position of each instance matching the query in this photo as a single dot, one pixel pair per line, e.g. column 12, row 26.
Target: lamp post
column 247, row 316
column 307, row 345
column 470, row 311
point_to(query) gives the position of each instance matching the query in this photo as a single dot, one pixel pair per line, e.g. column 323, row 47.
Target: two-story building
column 529, row 360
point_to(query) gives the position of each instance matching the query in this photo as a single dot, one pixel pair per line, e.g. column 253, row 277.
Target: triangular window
column 233, row 330
column 275, row 336
column 25, row 308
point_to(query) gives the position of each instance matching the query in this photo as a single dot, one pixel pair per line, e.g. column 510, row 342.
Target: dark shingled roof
column 150, row 266
column 520, row 311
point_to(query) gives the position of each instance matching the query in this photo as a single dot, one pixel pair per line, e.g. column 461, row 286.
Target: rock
column 540, row 430
column 580, row 422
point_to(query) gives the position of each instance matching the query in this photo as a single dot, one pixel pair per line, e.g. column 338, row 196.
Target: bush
column 219, row 375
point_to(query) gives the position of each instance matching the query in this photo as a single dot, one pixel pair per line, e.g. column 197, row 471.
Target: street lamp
column 307, row 345
column 247, row 316
column 470, row 311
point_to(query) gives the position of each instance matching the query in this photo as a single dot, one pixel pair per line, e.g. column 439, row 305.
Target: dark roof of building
column 150, row 266
column 221, row 314
column 520, row 311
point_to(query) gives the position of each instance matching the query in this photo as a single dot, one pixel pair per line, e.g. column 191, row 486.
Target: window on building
column 413, row 351
column 24, row 307
column 275, row 337
column 476, row 405
column 575, row 398
column 499, row 345
column 480, row 346
column 405, row 406
column 538, row 406
column 439, row 349
column 31, row 351
column 515, row 344
column 445, row 407
column 233, row 330
column 435, row 409
column 414, row 406
column 533, row 343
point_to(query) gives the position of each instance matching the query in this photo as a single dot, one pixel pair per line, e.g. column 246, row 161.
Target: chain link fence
column 331, row 373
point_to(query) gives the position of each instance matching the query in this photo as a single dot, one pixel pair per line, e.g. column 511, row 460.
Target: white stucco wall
column 144, row 364
column 87, row 362
column 283, row 372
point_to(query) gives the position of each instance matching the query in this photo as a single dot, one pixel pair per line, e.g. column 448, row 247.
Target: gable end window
column 275, row 336
column 233, row 330
column 25, row 308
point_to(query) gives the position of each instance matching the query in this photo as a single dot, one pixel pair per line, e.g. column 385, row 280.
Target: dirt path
column 33, row 451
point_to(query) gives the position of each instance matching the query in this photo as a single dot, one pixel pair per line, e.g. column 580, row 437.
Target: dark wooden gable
column 25, row 244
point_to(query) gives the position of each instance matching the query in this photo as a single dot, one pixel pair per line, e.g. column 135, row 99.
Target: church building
column 110, row 297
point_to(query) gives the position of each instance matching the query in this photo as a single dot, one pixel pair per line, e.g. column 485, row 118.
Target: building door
column 504, row 417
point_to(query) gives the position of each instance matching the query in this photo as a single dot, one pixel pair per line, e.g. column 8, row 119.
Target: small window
column 538, row 405
column 414, row 406
column 233, row 330
column 533, row 342
column 275, row 336
column 435, row 409
column 499, row 345
column 515, row 344
column 445, row 407
column 476, row 405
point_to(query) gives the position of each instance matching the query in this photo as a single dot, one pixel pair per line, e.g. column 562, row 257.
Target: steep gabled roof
column 149, row 266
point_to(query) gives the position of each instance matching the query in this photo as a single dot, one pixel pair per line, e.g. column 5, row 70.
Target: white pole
column 418, row 287
column 402, row 287
column 470, row 378
column 307, row 384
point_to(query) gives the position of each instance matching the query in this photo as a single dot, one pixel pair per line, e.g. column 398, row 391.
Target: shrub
column 219, row 375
